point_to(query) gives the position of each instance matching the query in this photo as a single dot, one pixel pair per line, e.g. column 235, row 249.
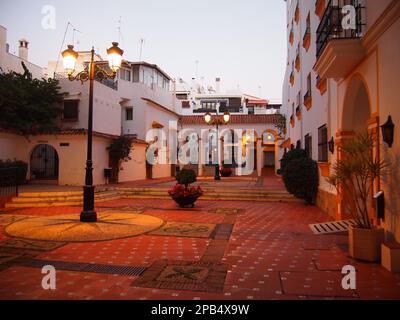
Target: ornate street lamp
column 217, row 121
column 92, row 71
column 388, row 132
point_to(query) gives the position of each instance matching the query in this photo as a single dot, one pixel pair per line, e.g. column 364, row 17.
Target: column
column 260, row 155
column 201, row 157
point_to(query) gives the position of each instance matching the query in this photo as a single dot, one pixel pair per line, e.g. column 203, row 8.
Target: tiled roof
column 235, row 119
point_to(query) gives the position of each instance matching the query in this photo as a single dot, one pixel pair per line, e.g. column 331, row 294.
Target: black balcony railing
column 112, row 84
column 331, row 23
column 231, row 109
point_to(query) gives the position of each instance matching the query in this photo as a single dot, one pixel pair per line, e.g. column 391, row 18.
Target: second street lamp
column 217, row 122
column 94, row 70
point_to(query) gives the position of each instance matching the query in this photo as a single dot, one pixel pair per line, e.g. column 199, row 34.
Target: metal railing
column 331, row 23
column 112, row 84
column 9, row 184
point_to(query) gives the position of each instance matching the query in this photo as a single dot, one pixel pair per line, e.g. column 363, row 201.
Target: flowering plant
column 179, row 190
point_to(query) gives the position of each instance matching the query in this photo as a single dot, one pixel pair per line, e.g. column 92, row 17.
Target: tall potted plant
column 354, row 176
column 182, row 193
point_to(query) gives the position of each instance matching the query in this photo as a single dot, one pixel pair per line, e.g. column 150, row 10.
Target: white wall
column 106, row 107
column 10, row 62
column 134, row 169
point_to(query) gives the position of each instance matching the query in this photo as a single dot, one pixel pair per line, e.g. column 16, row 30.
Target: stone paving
column 218, row 250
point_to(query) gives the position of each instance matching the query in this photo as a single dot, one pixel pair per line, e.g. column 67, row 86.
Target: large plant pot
column 365, row 244
column 184, row 202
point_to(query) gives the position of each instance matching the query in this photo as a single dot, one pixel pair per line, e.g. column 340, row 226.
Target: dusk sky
column 241, row 41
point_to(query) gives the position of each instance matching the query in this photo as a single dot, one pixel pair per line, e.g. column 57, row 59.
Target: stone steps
column 75, row 198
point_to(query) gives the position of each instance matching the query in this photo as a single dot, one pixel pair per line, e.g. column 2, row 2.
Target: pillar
column 260, row 155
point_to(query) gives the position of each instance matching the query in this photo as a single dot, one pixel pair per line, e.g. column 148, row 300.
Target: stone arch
column 356, row 110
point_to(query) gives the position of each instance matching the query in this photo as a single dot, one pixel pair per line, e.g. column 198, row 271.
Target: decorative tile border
column 184, row 229
column 184, row 275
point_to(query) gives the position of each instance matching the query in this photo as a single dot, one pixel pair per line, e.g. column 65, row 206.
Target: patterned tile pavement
column 271, row 254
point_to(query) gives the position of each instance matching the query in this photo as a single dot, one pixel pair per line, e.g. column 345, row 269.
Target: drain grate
column 88, row 267
column 332, row 227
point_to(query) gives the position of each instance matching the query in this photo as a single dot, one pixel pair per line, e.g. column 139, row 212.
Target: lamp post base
column 88, row 214
column 217, row 176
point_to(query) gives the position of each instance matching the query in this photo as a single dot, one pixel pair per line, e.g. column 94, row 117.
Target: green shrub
column 292, row 155
column 279, row 172
column 301, row 178
column 186, row 177
column 9, row 176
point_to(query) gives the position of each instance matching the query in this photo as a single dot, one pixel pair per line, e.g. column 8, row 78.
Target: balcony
column 308, row 100
column 297, row 62
column 322, row 84
column 231, row 109
column 291, row 78
column 291, row 37
column 307, row 39
column 339, row 49
column 292, row 123
column 298, row 113
column 320, row 8
column 112, row 84
column 297, row 14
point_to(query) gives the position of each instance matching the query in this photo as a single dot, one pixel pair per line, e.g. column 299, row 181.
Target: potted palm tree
column 354, row 176
column 182, row 193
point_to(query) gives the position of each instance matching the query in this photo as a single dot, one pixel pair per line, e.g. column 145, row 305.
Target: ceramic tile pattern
column 270, row 253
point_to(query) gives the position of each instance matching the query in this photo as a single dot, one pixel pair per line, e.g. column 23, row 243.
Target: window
column 308, row 145
column 129, row 114
column 125, row 74
column 136, row 71
column 323, row 144
column 182, row 96
column 71, row 110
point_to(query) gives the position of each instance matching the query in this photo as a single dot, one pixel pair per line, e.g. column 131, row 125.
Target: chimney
column 23, row 49
column 218, row 85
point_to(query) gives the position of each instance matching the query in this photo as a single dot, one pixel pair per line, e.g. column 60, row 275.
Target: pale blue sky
column 241, row 41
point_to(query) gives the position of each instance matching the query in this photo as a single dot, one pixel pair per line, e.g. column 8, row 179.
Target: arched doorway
column 44, row 163
column 355, row 117
column 356, row 108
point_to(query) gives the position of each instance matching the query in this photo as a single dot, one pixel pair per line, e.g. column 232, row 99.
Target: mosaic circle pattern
column 68, row 228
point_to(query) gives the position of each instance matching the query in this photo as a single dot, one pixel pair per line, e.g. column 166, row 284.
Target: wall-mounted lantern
column 388, row 132
column 331, row 145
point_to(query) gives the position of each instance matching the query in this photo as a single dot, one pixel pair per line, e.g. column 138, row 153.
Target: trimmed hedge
column 9, row 176
column 301, row 178
column 292, row 155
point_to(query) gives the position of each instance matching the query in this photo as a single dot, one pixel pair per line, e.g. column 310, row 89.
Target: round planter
column 184, row 202
column 365, row 244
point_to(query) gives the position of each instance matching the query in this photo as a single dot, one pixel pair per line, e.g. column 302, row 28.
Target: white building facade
column 343, row 75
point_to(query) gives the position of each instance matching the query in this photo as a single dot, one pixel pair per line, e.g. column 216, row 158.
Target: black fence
column 331, row 23
column 9, row 183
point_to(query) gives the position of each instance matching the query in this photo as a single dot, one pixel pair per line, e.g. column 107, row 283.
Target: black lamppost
column 217, row 122
column 93, row 71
